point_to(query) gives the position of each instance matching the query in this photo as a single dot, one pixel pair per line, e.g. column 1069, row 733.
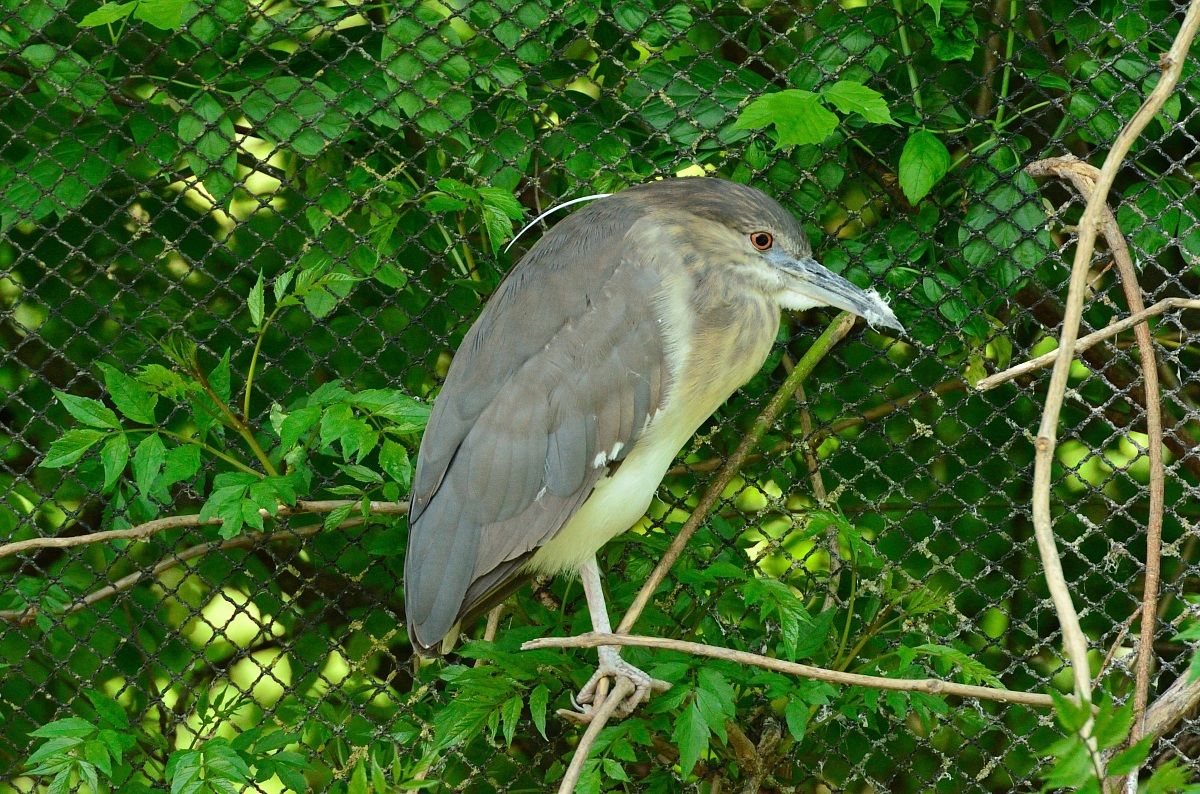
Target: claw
column 613, row 667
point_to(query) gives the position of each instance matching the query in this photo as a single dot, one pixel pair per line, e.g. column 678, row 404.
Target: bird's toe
column 612, row 668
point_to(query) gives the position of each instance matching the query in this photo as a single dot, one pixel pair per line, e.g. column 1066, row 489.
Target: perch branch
column 837, row 329
column 932, row 686
column 1084, row 342
column 143, row 531
column 23, row 617
column 600, row 717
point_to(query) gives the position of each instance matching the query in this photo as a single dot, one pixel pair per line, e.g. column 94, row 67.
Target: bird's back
column 558, row 369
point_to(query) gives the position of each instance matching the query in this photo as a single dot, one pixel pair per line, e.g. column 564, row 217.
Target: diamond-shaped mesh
column 159, row 157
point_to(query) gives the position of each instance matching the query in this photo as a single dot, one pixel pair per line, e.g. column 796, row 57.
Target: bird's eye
column 761, row 240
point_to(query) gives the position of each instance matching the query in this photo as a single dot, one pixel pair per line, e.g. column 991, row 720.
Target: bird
column 608, row 344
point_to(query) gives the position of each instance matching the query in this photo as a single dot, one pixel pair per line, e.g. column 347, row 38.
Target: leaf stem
column 472, row 270
column 216, row 453
column 238, row 425
column 913, row 82
column 262, row 332
column 998, row 120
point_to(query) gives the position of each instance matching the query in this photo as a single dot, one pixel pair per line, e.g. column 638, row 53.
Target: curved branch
column 600, row 717
column 1074, row 641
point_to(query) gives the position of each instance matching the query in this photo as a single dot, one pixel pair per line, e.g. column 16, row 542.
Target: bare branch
column 1074, row 641
column 24, row 617
column 1084, row 176
column 1181, row 698
column 1084, row 342
column 932, row 686
column 600, row 717
column 143, row 531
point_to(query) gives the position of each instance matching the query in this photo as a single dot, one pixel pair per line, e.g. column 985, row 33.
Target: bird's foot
column 613, row 668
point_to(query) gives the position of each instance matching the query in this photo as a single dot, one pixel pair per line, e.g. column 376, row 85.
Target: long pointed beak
column 812, row 284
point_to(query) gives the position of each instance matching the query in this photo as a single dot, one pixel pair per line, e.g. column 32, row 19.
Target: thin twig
column 838, row 328
column 623, row 690
column 1112, row 649
column 1084, row 342
column 932, row 686
column 143, row 531
column 869, row 415
column 23, row 617
column 1074, row 640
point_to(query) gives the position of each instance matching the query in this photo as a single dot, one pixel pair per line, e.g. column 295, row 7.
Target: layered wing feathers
column 552, row 384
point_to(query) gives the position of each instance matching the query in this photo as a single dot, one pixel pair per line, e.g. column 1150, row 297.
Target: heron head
column 745, row 229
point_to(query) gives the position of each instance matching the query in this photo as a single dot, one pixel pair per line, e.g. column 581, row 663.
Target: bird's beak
column 811, row 284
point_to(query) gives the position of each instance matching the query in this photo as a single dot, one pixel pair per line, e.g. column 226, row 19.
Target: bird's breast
column 710, row 357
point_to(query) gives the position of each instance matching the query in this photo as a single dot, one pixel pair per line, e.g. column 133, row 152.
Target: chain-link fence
column 241, row 237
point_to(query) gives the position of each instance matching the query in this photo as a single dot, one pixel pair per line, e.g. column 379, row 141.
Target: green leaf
column 162, row 14
column 148, row 460
column 796, row 715
column 691, row 737
column 71, row 727
column 181, row 463
column 393, row 459
column 538, row 700
column 71, row 447
column 114, row 455
column 849, row 96
column 225, row 503
column 256, row 302
column 510, row 714
column 281, row 284
column 1130, row 758
column 1170, row 778
column 338, row 515
column 798, row 116
column 296, row 424
column 219, row 378
column 110, row 711
column 923, row 163
column 91, row 412
column 936, row 5
column 107, row 14
column 1112, row 725
column 132, row 398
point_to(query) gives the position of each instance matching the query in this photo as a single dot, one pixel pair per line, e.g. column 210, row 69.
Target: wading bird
column 610, row 342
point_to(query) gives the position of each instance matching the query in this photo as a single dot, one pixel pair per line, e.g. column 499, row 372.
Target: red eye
column 761, row 240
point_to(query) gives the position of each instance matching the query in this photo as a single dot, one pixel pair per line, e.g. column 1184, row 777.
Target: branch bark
column 932, row 686
column 1074, row 641
column 1085, row 342
column 23, row 617
column 1085, row 177
column 143, row 531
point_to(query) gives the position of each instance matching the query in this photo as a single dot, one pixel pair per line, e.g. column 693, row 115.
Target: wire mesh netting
column 243, row 239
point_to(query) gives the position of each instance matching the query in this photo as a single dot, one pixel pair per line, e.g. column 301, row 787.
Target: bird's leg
column 611, row 664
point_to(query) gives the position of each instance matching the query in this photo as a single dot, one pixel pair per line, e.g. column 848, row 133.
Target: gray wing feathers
column 533, row 396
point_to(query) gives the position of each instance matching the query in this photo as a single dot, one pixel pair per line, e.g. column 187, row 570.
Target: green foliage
column 1108, row 725
column 248, row 235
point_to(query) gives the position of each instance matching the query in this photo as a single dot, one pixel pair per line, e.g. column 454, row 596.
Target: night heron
column 595, row 361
